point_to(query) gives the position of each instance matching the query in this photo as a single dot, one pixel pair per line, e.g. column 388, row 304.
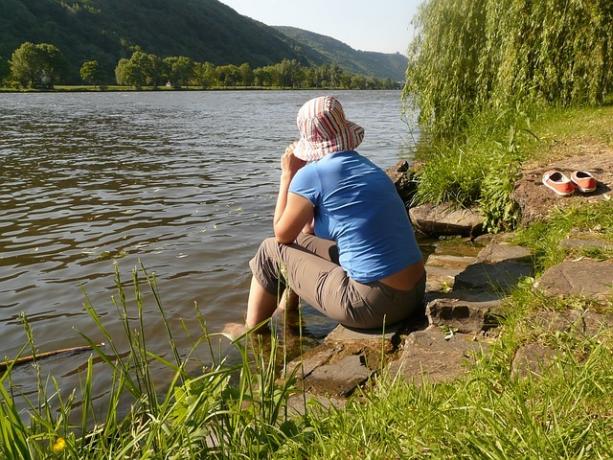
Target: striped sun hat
column 324, row 129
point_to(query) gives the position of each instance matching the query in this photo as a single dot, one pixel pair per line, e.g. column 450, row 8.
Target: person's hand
column 290, row 164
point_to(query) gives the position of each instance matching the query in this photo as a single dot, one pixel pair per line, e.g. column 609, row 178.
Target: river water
column 185, row 182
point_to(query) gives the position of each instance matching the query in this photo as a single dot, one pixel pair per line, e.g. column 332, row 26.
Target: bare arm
column 292, row 211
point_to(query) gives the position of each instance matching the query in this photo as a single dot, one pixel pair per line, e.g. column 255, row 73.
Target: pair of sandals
column 564, row 186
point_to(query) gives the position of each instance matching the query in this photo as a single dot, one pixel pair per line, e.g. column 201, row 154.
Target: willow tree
column 470, row 56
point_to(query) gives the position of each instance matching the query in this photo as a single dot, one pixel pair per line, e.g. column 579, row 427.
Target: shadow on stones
column 491, row 281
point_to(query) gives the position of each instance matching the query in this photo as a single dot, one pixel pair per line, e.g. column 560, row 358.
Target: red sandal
column 584, row 181
column 558, row 182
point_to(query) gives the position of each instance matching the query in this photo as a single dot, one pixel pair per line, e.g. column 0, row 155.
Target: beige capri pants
column 311, row 269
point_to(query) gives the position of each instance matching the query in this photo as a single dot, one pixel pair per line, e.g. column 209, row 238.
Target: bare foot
column 233, row 331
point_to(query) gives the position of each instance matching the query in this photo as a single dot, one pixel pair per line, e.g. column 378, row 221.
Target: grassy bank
column 479, row 168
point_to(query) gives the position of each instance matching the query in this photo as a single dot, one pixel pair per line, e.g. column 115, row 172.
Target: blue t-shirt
column 357, row 206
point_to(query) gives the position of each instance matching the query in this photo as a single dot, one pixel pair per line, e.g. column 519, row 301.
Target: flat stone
column 449, row 261
column 441, row 279
column 429, row 356
column 304, row 366
column 497, row 251
column 586, row 244
column 341, row 377
column 464, row 316
column 499, row 277
column 586, row 277
column 532, row 359
column 345, row 334
column 442, row 270
column 498, row 267
column 584, row 323
column 444, row 219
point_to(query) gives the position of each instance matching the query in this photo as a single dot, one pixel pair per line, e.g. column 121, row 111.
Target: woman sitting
column 343, row 241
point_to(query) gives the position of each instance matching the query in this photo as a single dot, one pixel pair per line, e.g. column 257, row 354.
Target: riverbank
column 526, row 377
column 479, row 169
column 118, row 88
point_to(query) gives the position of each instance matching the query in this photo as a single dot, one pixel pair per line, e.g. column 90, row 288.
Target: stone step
column 499, row 267
column 501, row 251
column 585, row 277
column 340, row 377
column 442, row 270
column 444, row 219
column 435, row 356
column 346, row 334
column 449, row 261
column 465, row 316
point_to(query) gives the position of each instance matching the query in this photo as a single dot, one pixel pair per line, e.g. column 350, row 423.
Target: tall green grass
column 225, row 411
column 478, row 169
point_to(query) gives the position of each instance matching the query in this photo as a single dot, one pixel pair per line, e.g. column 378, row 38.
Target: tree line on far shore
column 42, row 65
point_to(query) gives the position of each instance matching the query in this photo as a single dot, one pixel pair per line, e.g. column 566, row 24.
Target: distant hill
column 205, row 30
column 380, row 65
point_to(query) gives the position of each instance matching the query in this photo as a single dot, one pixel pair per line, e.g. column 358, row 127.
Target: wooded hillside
column 381, row 65
column 204, row 30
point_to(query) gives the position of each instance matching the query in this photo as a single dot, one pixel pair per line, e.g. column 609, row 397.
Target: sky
column 368, row 25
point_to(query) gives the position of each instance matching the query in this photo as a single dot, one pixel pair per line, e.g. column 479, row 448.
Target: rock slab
column 433, row 356
column 585, row 277
column 499, row 267
column 344, row 334
column 582, row 323
column 532, row 359
column 341, row 377
column 444, row 219
column 464, row 316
